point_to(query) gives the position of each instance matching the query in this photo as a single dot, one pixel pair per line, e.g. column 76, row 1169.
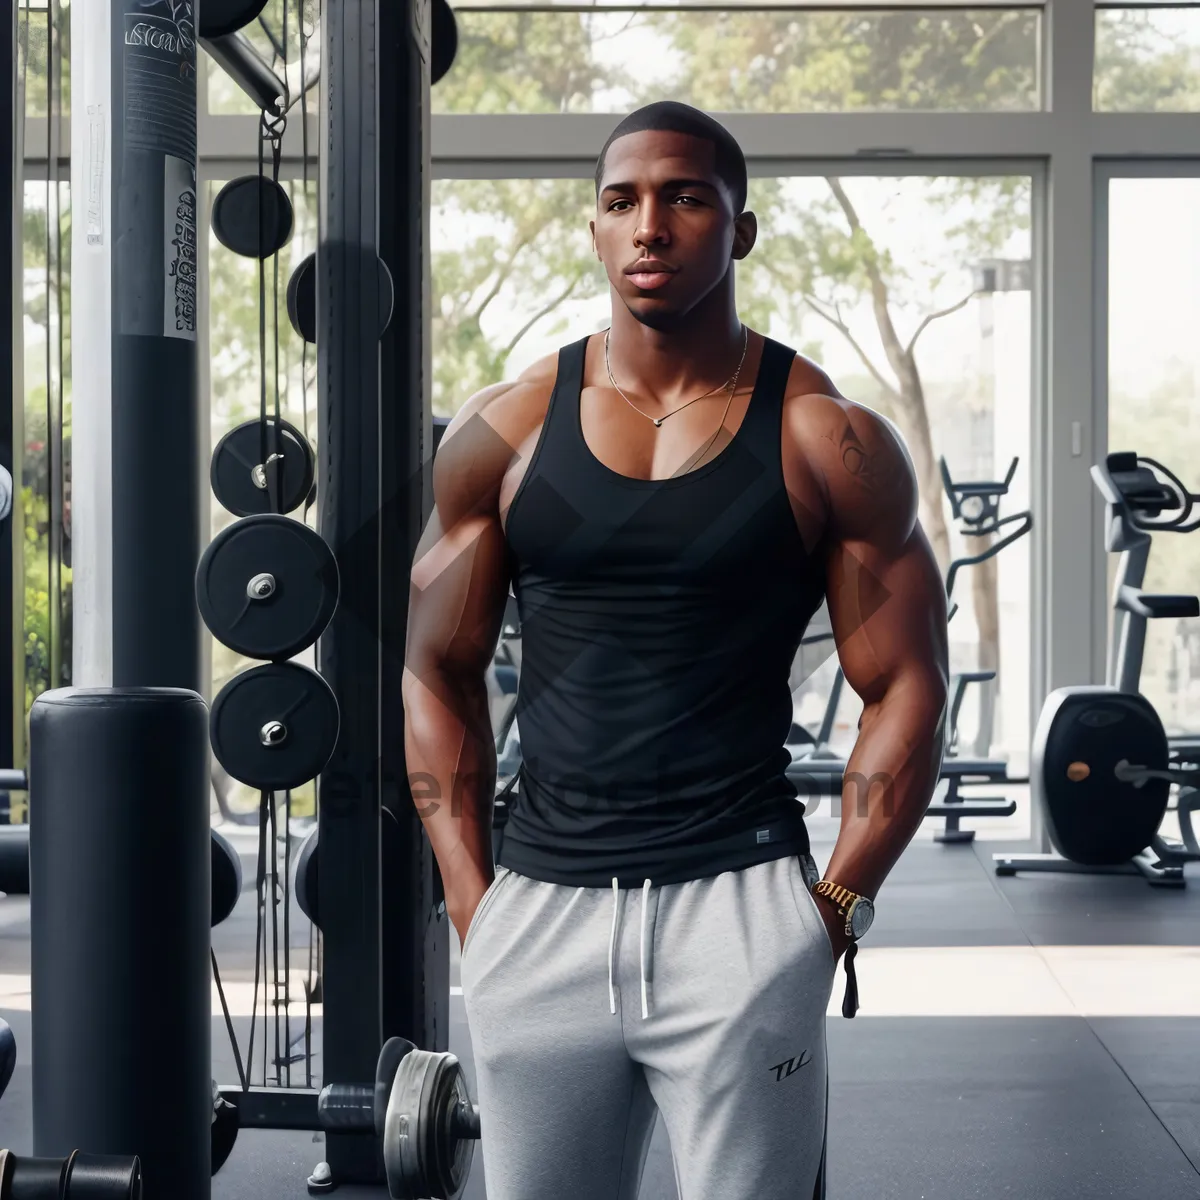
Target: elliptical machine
column 1102, row 766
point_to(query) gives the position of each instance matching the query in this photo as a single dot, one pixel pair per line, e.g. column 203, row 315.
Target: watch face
column 861, row 917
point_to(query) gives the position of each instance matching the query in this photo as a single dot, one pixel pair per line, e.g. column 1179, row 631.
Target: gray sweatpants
column 591, row 1009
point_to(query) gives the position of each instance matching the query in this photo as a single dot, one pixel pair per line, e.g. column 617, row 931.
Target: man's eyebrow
column 670, row 185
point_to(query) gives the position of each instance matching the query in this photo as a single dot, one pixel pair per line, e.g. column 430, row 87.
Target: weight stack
column 120, row 898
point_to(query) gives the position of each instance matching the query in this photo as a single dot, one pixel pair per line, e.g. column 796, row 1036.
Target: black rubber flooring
column 1057, row 1105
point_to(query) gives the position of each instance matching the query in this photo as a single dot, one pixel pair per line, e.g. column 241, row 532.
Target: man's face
column 662, row 200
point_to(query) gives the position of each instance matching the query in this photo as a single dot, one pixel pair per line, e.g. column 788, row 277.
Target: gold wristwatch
column 857, row 911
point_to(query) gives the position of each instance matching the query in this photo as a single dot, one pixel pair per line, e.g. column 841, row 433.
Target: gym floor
column 1033, row 1036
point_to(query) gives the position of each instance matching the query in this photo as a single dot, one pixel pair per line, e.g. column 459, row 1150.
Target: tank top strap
column 561, row 434
column 762, row 432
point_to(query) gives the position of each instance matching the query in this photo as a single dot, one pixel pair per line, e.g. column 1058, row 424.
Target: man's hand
column 462, row 912
column 835, row 923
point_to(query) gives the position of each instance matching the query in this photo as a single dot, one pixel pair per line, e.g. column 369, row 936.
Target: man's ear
column 745, row 234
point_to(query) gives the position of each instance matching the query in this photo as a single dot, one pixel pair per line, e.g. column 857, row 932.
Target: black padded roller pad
column 119, row 863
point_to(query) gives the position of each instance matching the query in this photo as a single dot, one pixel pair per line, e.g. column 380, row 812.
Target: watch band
column 843, row 899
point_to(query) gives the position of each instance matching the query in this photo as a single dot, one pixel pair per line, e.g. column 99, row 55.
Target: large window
column 946, row 355
column 1154, row 401
column 1147, row 60
column 45, row 61
column 744, row 60
column 938, row 85
column 44, row 426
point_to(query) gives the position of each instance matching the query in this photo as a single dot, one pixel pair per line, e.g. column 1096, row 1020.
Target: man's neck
column 669, row 364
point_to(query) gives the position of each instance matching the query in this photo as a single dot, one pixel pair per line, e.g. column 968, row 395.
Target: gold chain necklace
column 730, row 384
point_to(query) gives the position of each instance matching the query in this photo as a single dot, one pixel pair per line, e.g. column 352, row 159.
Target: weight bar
column 420, row 1109
column 424, row 1116
column 76, row 1177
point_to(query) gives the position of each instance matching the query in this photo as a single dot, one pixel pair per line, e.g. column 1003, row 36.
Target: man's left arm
column 887, row 606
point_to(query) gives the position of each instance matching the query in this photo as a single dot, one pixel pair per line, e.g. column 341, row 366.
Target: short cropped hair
column 669, row 116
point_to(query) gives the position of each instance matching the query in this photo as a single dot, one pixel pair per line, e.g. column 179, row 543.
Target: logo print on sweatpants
column 784, row 1069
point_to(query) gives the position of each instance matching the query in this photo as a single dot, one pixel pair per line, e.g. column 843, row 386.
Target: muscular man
column 669, row 500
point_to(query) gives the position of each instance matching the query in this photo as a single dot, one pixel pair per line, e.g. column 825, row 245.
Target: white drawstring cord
column 612, row 949
column 645, row 908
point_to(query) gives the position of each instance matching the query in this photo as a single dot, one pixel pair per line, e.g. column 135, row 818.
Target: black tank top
column 659, row 621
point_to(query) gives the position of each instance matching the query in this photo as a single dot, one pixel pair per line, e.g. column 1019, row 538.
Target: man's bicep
column 460, row 573
column 887, row 607
column 456, row 601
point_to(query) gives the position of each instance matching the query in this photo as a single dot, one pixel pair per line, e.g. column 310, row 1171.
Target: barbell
column 421, row 1110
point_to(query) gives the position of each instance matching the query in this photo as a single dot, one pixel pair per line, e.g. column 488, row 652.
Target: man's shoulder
column 815, row 412
column 509, row 406
column 854, row 456
column 812, row 409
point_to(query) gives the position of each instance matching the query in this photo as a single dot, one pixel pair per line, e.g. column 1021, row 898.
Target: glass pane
column 1153, row 399
column 34, row 43
column 276, row 31
column 235, row 390
column 44, row 426
column 731, row 60
column 514, row 279
column 1147, row 60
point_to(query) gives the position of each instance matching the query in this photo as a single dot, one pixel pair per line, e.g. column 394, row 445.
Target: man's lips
column 649, row 280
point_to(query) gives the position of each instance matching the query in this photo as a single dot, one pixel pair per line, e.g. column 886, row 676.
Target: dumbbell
column 76, row 1177
column 421, row 1110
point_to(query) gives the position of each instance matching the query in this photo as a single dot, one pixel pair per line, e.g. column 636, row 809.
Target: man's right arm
column 456, row 604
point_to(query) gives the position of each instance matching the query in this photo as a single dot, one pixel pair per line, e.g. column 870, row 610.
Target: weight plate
column 244, row 487
column 274, row 727
column 304, row 884
column 421, row 1154
column 302, row 298
column 395, row 1051
column 252, row 216
column 8, row 1055
column 267, row 587
column 218, row 18
column 443, row 39
column 226, row 878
